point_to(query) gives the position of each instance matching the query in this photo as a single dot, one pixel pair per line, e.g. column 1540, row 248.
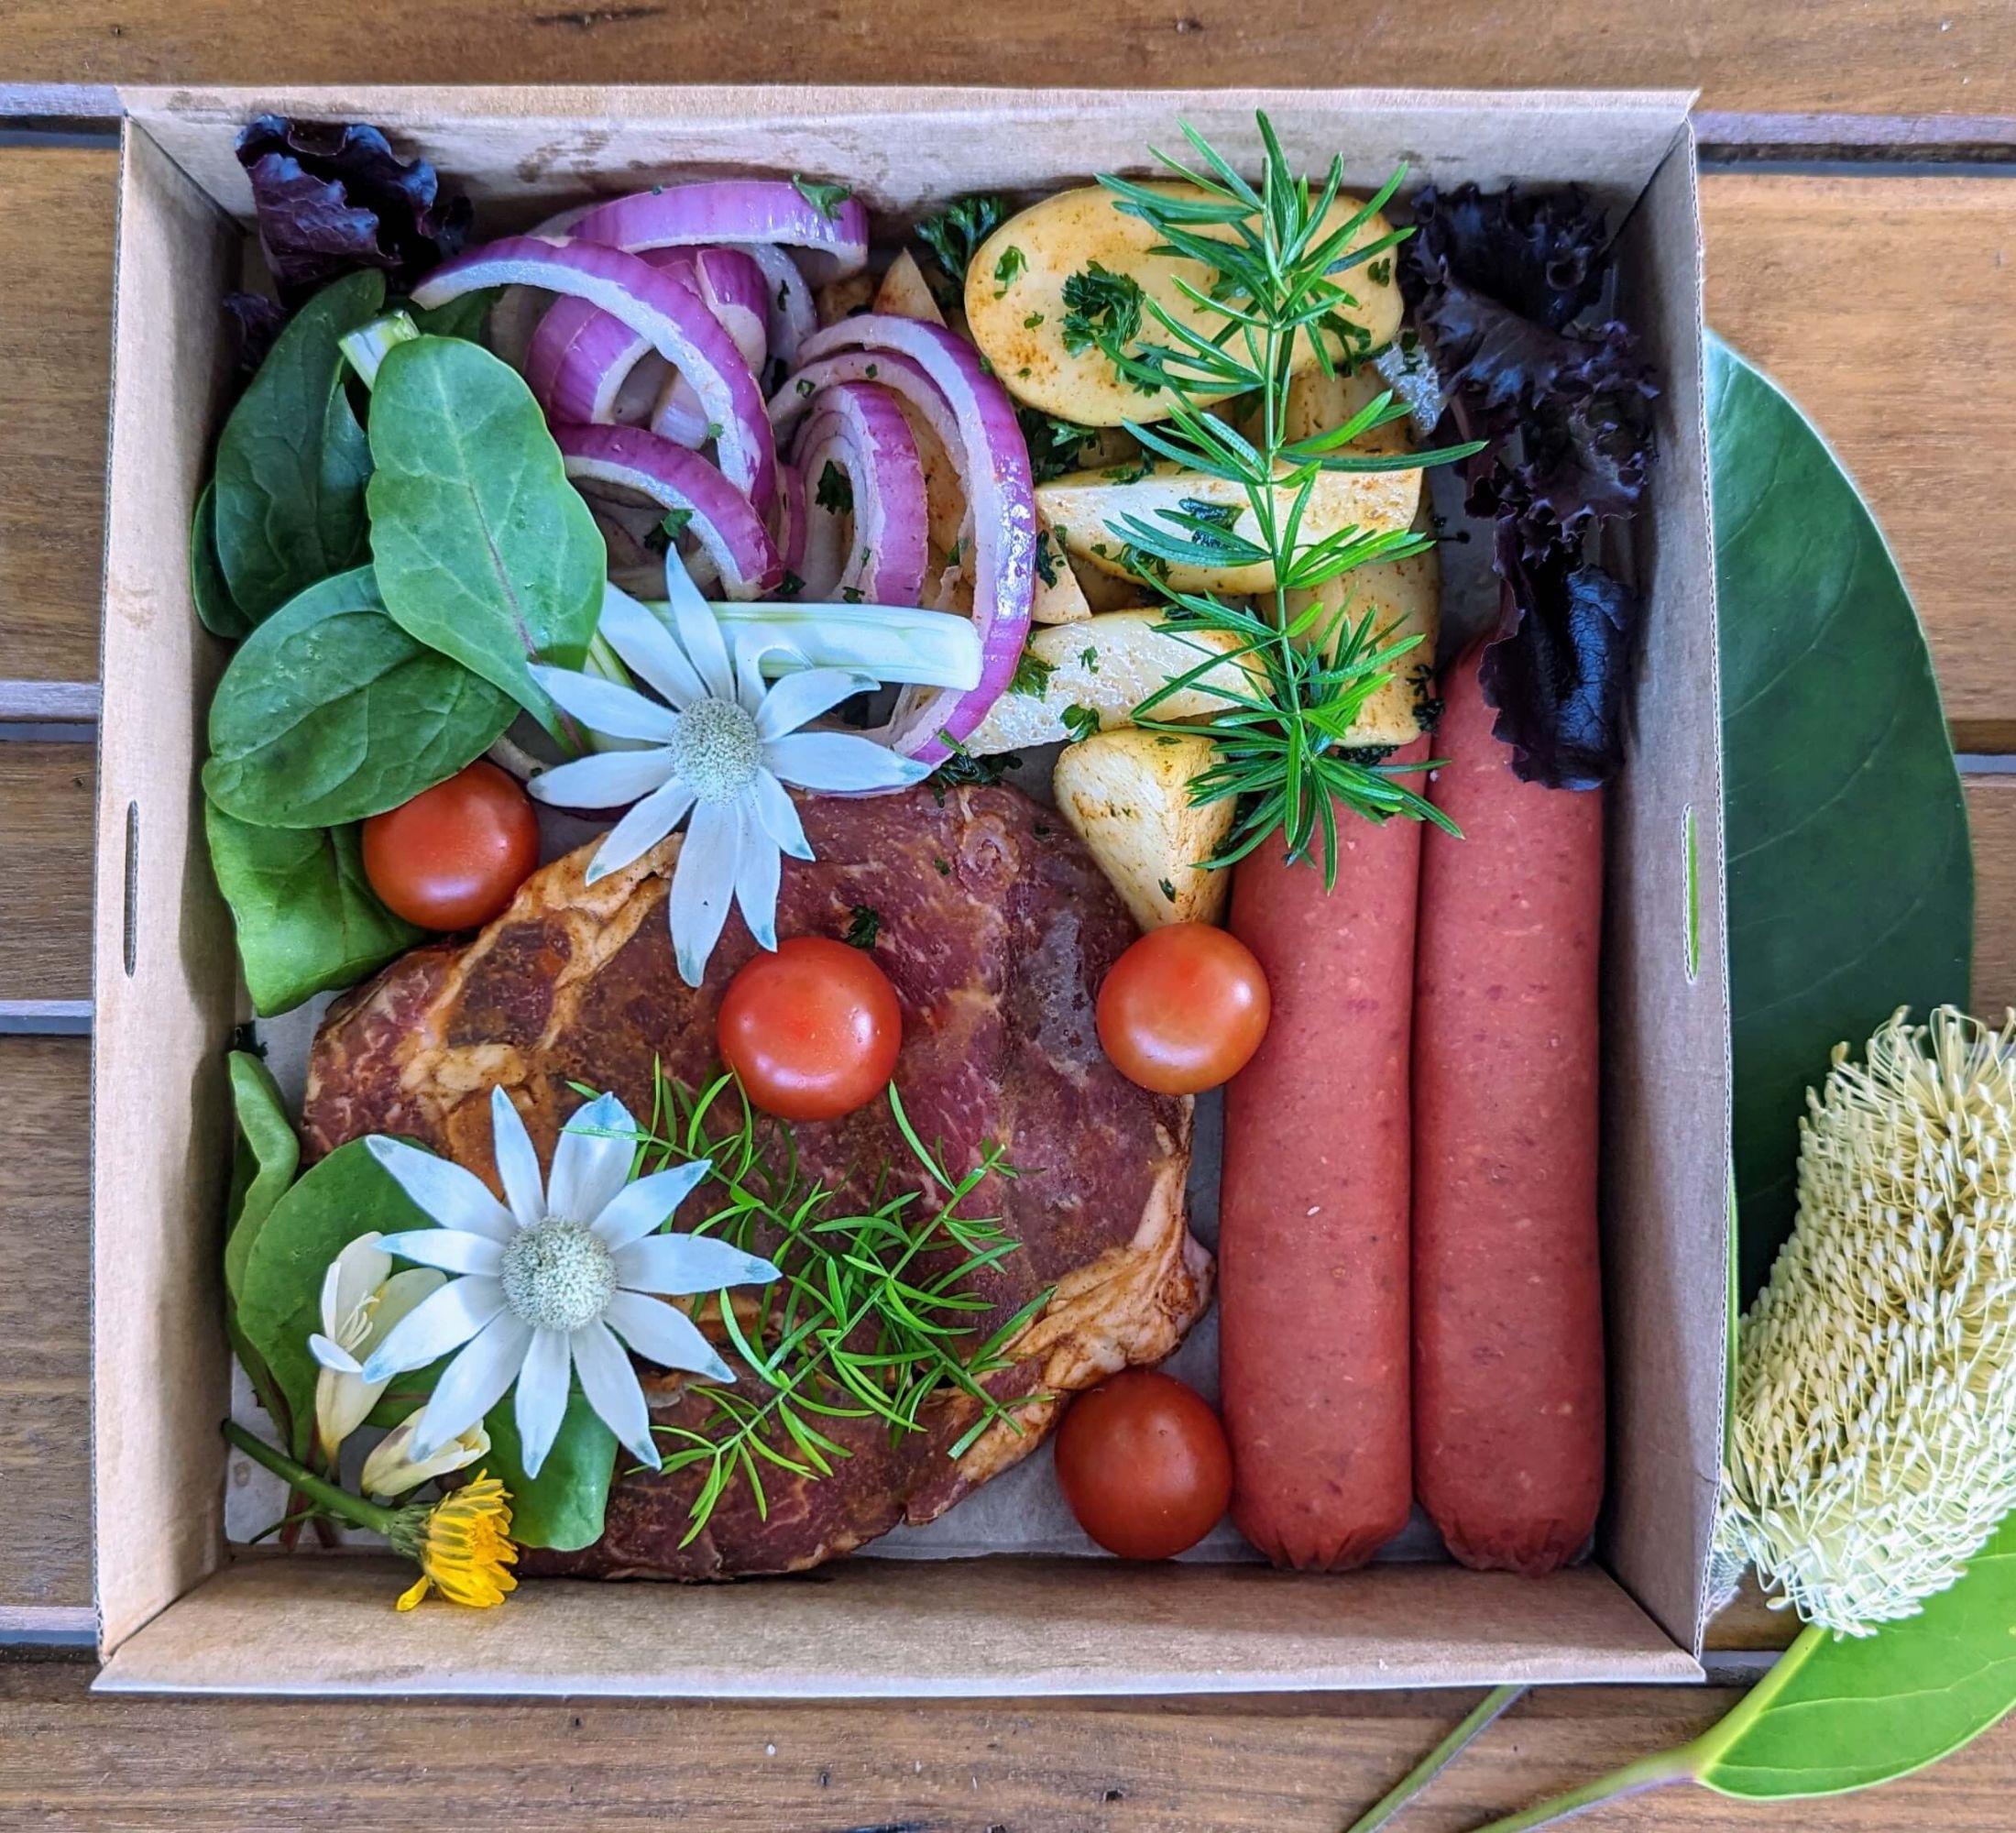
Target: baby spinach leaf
column 348, row 1194
column 307, row 918
column 215, row 608
column 331, row 712
column 268, row 1156
column 484, row 549
column 293, row 460
column 463, row 316
column 562, row 1506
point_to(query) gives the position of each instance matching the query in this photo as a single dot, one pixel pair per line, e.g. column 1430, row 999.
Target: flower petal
column 610, row 779
column 699, row 634
column 840, row 761
column 445, row 1322
column 542, row 1385
column 646, row 645
column 603, row 707
column 799, row 698
column 402, row 1293
column 391, row 1469
column 666, row 1335
column 613, row 1389
column 343, row 1402
column 777, row 814
column 451, row 1249
column 640, row 831
column 592, row 1161
column 473, row 1382
column 750, row 651
column 455, row 1198
column 516, row 1163
column 703, row 886
column 758, row 869
column 332, row 1356
column 360, row 1267
column 684, row 1263
column 639, row 1208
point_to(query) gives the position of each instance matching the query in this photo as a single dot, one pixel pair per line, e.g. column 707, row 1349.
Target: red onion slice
column 790, row 314
column 996, row 463
column 732, row 285
column 756, row 212
column 729, row 530
column 787, row 520
column 858, row 430
column 659, row 306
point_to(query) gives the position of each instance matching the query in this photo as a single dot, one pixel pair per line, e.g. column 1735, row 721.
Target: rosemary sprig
column 873, row 1315
column 1278, row 281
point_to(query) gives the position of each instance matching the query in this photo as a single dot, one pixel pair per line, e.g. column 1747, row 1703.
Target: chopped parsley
column 1215, row 515
column 962, row 768
column 805, row 386
column 834, row 493
column 714, row 429
column 953, row 554
column 1142, row 468
column 953, row 235
column 825, row 199
column 1034, row 319
column 1054, row 444
column 1046, row 560
column 1100, row 307
column 850, row 594
column 791, row 585
column 1380, row 272
column 1032, row 676
column 1011, row 266
column 943, row 866
column 865, row 927
column 1079, row 723
column 675, row 522
column 1087, row 659
column 1167, row 891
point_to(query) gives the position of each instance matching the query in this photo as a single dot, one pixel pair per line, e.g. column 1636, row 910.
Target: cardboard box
column 175, row 1612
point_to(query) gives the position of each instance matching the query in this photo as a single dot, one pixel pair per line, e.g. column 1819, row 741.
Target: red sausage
column 1313, row 1206
column 1508, row 1300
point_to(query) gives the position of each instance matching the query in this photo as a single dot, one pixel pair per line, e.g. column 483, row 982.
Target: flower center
column 558, row 1275
column 716, row 751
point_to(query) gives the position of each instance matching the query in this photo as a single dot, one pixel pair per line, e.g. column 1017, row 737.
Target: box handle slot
column 132, row 887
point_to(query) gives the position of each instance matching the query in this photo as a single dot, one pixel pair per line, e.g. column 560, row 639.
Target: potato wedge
column 1127, row 796
column 1110, row 591
column 1108, row 666
column 843, row 298
column 1087, row 504
column 1015, row 307
column 904, row 294
column 1403, row 595
column 1060, row 599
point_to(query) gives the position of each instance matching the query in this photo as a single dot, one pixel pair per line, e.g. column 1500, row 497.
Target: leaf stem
column 337, row 1501
column 1657, row 1771
column 1486, row 1711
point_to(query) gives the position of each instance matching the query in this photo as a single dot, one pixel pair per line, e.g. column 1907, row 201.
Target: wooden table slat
column 47, row 809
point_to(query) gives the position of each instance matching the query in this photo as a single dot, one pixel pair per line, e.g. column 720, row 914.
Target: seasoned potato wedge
column 1108, row 666
column 1060, row 599
column 1087, row 504
column 1127, row 796
column 1014, row 302
column 1109, row 591
column 843, row 298
column 904, row 294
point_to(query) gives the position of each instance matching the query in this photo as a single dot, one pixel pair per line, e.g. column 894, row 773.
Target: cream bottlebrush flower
column 362, row 1299
column 1872, row 1447
column 392, row 1469
column 550, row 1281
column 719, row 751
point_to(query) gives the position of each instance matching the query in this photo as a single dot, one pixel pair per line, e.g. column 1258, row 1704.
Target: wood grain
column 46, row 813
column 1991, row 817
column 56, row 206
column 1885, row 57
column 1887, row 308
column 45, row 1513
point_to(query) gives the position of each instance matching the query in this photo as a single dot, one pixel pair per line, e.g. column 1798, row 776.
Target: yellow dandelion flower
column 463, row 1544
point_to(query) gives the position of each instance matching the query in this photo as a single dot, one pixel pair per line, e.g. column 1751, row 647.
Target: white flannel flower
column 720, row 751
column 362, row 1299
column 550, row 1281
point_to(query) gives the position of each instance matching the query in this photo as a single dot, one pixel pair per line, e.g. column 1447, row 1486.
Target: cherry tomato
column 454, row 856
column 811, row 1031
column 1145, row 1465
column 1183, row 1009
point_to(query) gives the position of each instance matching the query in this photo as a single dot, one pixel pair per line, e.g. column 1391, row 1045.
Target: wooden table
column 1861, row 226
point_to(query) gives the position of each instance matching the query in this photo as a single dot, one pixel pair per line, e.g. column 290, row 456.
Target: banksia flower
column 1872, row 1448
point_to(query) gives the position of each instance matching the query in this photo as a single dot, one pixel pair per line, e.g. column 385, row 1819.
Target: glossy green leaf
column 562, row 1506
column 1850, row 884
column 484, row 549
column 463, row 316
column 306, row 917
column 216, row 608
column 292, row 461
column 268, row 1156
column 330, row 712
column 345, row 1195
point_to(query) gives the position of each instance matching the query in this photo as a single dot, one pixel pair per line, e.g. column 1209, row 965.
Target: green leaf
column 564, row 1505
column 348, row 1194
column 292, row 461
column 1850, row 884
column 268, row 1156
column 331, row 712
column 484, row 549
column 215, row 608
column 307, row 918
column 463, row 316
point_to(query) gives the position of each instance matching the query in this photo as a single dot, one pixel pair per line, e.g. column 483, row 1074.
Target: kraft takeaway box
column 179, row 1611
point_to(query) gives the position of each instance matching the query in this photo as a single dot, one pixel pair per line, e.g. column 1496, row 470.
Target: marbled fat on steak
column 996, row 929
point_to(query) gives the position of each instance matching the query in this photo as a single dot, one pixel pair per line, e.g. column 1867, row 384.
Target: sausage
column 1508, row 1421
column 1313, row 1206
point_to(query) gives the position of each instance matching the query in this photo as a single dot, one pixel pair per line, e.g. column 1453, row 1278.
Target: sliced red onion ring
column 752, row 212
column 994, row 462
column 858, row 430
column 790, row 316
column 726, row 527
column 732, row 285
column 659, row 306
column 787, row 520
